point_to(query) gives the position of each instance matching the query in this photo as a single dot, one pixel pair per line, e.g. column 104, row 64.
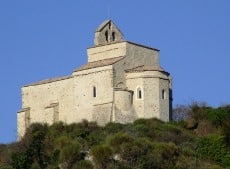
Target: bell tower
column 107, row 33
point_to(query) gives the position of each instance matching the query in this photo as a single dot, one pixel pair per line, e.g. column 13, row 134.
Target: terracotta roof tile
column 48, row 81
column 89, row 65
column 133, row 43
column 146, row 68
column 99, row 63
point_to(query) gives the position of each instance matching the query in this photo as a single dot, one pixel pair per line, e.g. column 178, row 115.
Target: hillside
column 201, row 140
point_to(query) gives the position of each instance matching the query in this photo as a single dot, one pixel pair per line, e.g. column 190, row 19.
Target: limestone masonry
column 121, row 82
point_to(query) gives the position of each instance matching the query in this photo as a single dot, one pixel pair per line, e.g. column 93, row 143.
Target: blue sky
column 48, row 38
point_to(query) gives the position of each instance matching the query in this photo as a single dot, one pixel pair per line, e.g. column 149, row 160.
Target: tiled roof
column 48, row 81
column 89, row 65
column 133, row 43
column 146, row 68
column 99, row 63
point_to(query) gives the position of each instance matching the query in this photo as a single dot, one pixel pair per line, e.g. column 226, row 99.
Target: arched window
column 139, row 93
column 106, row 36
column 113, row 36
column 163, row 94
column 94, row 91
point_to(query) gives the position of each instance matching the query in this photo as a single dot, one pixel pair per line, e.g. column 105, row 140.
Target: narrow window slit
column 139, row 93
column 163, row 94
column 94, row 92
column 113, row 36
column 106, row 36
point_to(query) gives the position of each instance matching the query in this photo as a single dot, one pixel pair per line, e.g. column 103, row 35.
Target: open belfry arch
column 121, row 82
column 107, row 33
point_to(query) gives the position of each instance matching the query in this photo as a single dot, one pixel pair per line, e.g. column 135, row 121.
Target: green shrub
column 144, row 144
column 226, row 131
column 83, row 164
column 112, row 128
column 95, row 138
column 217, row 116
column 118, row 139
column 131, row 152
column 6, row 167
column 22, row 160
column 102, row 155
column 213, row 148
column 70, row 154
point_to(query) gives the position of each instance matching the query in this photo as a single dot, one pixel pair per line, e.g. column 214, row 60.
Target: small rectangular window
column 94, row 92
column 163, row 94
column 139, row 93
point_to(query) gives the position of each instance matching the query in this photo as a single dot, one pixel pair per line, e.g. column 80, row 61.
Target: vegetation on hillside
column 200, row 139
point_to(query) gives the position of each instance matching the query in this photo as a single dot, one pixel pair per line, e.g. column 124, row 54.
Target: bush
column 70, row 154
column 102, row 155
column 226, row 131
column 31, row 148
column 118, row 139
column 132, row 152
column 6, row 167
column 95, row 138
column 4, row 154
column 213, row 148
column 22, row 160
column 113, row 128
column 144, row 144
column 217, row 116
column 83, row 164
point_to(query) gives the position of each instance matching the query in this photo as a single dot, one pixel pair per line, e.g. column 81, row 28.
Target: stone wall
column 135, row 55
column 86, row 104
column 138, row 55
column 69, row 100
column 102, row 113
column 151, row 104
column 151, row 90
column 106, row 51
column 42, row 98
column 123, row 106
column 133, row 82
column 164, row 100
column 23, row 121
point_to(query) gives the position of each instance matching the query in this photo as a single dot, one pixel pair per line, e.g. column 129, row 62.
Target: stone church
column 121, row 82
